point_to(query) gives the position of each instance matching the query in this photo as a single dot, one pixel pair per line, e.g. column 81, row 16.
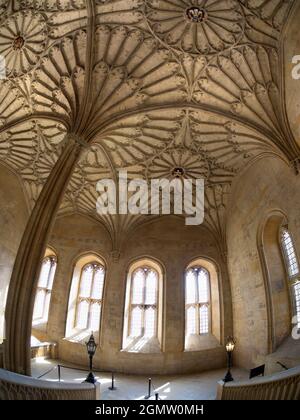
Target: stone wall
column 172, row 244
column 268, row 186
column 13, row 217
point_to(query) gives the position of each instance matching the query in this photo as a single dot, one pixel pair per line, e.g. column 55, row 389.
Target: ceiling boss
column 196, row 14
column 18, row 43
column 23, row 40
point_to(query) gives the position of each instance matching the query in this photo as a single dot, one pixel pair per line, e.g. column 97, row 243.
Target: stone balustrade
column 18, row 387
column 279, row 386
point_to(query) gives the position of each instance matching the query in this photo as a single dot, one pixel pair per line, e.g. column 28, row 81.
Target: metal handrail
column 59, row 366
column 282, row 365
column 46, row 373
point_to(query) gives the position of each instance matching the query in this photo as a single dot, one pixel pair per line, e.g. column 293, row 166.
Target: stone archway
column 277, row 294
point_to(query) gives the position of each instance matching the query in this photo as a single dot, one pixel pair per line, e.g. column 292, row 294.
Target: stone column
column 27, row 265
column 113, row 313
column 174, row 305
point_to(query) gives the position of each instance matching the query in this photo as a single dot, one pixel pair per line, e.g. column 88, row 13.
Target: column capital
column 115, row 255
column 224, row 255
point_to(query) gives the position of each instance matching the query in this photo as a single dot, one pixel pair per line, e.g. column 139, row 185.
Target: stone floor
column 202, row 386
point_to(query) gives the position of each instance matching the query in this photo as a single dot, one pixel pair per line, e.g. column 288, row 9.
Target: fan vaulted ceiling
column 147, row 85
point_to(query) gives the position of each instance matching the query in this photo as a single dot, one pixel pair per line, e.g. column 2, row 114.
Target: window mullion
column 89, row 320
column 144, row 305
column 130, row 306
column 197, row 314
column 52, row 268
column 156, row 307
column 49, row 274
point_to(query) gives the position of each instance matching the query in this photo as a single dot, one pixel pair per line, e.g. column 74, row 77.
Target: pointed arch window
column 197, row 301
column 143, row 303
column 44, row 290
column 89, row 298
column 292, row 265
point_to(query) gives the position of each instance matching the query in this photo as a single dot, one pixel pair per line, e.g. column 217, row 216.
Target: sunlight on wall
column 3, row 296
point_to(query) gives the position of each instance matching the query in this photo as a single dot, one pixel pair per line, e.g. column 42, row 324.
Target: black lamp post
column 230, row 343
column 91, row 349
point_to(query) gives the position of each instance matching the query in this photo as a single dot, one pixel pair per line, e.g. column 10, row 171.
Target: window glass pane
column 46, row 305
column 290, row 254
column 191, row 320
column 197, row 294
column 203, row 312
column 150, row 315
column 203, row 286
column 39, row 305
column 297, row 301
column 95, row 316
column 136, row 322
column 190, row 287
column 88, row 312
column 98, row 283
column 138, row 287
column 43, row 295
column 86, row 281
column 151, row 287
column 82, row 314
column 45, row 269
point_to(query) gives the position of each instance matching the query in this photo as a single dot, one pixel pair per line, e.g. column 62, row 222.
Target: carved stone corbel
column 115, row 255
